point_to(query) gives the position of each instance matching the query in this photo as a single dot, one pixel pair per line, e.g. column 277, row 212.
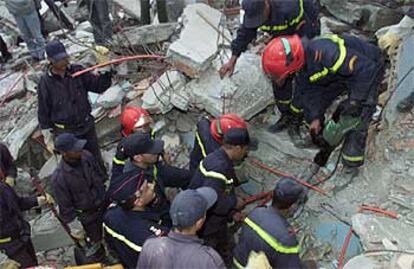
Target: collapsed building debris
column 190, row 88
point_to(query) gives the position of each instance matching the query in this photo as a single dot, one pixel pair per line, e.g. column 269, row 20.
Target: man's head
column 256, row 12
column 221, row 125
column 142, row 150
column 237, row 143
column 136, row 194
column 57, row 56
column 70, row 147
column 286, row 193
column 135, row 119
column 188, row 209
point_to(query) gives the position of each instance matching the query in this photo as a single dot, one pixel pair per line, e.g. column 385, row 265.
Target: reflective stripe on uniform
column 152, row 134
column 284, row 102
column 118, row 161
column 270, row 240
column 342, row 55
column 353, row 158
column 200, row 144
column 295, row 109
column 5, row 240
column 60, row 126
column 237, row 264
column 216, row 175
column 122, row 238
column 285, row 26
column 155, row 173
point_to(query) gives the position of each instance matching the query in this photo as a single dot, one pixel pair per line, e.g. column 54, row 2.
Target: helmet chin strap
column 218, row 125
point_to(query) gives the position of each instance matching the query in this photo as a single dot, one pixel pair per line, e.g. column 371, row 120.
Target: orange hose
column 344, row 249
column 283, row 174
column 379, row 210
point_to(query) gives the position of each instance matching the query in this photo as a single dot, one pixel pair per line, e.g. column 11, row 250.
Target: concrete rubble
column 186, row 87
column 199, row 40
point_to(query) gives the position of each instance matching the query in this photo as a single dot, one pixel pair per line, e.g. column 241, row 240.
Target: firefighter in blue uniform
column 15, row 231
column 130, row 222
column 278, row 17
column 217, row 171
column 209, row 136
column 133, row 120
column 143, row 153
column 328, row 67
column 266, row 229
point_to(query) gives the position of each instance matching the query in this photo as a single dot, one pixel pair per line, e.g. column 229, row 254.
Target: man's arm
column 45, row 106
column 97, row 83
column 174, row 176
column 66, row 208
column 243, row 38
column 7, row 162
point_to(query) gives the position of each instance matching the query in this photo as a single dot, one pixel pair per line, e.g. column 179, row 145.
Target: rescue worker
column 328, row 67
column 266, row 229
column 63, row 100
column 15, row 241
column 209, row 136
column 277, row 17
column 133, row 120
column 8, row 170
column 182, row 248
column 217, row 171
column 143, row 153
column 100, row 21
column 129, row 223
column 78, row 186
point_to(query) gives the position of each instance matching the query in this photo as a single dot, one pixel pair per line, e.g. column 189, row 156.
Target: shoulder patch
column 352, row 63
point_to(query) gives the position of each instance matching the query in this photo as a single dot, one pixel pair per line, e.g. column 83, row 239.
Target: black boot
column 281, row 124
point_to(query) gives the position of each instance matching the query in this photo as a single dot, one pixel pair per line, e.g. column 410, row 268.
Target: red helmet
column 222, row 124
column 283, row 56
column 133, row 118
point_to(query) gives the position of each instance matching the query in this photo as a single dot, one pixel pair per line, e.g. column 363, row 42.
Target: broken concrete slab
column 332, row 26
column 49, row 167
column 48, row 233
column 18, row 136
column 198, row 44
column 366, row 16
column 373, row 229
column 148, row 34
column 246, row 93
column 111, row 97
column 157, row 98
column 11, row 86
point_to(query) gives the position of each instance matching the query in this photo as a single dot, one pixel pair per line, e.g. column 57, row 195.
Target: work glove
column 258, row 261
column 7, row 263
column 10, row 181
column 102, row 56
column 76, row 230
column 352, row 108
column 45, row 199
column 48, row 140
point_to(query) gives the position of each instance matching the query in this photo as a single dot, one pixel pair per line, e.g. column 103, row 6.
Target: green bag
column 334, row 132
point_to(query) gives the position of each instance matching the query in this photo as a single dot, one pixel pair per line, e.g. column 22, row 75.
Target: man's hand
column 48, row 139
column 10, row 181
column 76, row 230
column 45, row 199
column 315, row 127
column 228, row 68
column 239, row 216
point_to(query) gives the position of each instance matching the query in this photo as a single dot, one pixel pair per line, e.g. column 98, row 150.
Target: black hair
column 276, row 202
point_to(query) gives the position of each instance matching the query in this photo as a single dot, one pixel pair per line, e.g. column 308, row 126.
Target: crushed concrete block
column 18, row 136
column 332, row 26
column 171, row 141
column 12, row 85
column 158, row 96
column 148, row 34
column 47, row 233
column 373, row 229
column 198, row 44
column 111, row 97
column 364, row 15
column 246, row 93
